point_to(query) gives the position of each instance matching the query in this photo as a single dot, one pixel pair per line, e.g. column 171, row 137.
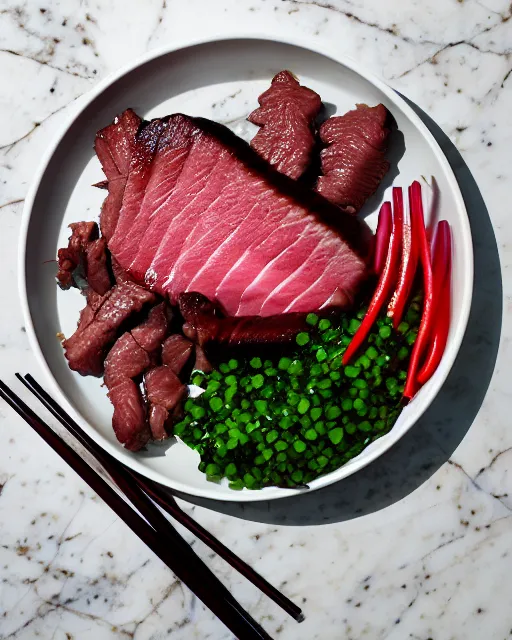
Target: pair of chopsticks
column 151, row 526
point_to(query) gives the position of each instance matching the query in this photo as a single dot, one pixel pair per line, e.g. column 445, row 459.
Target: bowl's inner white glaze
column 221, row 81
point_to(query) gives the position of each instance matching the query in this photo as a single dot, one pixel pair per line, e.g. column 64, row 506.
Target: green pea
column 332, row 412
column 336, row 435
column 303, row 405
column 302, row 338
column 385, row 332
column 315, row 413
column 272, row 436
column 321, row 354
column 299, row 446
column 312, row 319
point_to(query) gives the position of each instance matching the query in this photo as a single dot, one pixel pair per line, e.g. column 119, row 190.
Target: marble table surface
column 415, row 546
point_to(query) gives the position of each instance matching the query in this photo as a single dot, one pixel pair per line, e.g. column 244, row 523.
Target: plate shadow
column 431, row 442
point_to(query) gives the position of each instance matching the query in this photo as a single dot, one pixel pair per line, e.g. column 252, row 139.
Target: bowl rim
column 328, row 50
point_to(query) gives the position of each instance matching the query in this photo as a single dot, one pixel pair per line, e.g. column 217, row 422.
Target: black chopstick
column 172, row 549
column 165, row 501
column 168, row 503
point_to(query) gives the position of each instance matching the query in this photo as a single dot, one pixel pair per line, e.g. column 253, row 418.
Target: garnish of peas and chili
column 285, row 420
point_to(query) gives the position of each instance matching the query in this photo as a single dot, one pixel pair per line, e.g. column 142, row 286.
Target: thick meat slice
column 164, row 392
column 204, row 325
column 114, row 147
column 353, row 163
column 114, row 144
column 155, row 176
column 176, row 351
column 305, row 286
column 145, row 146
column 87, row 347
column 286, row 116
column 228, row 217
column 274, row 276
column 193, row 192
column 129, row 419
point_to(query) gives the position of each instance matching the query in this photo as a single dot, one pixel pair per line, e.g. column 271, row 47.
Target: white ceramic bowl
column 219, row 80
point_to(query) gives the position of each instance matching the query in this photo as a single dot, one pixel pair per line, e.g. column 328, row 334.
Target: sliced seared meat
column 87, row 347
column 114, row 146
column 158, row 417
column 132, row 354
column 205, row 213
column 176, row 352
column 353, row 164
column 85, row 259
column 164, row 391
column 126, row 359
column 147, row 173
column 255, row 330
column 94, row 299
column 97, row 270
column 202, row 318
column 70, row 258
column 94, row 302
column 286, row 116
column 201, row 362
column 129, row 420
column 204, row 325
column 120, row 274
column 163, row 387
column 152, row 332
column 134, row 351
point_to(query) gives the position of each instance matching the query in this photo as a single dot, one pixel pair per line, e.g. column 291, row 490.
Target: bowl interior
column 218, row 80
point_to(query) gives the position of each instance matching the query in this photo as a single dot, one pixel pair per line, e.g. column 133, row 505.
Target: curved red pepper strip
column 441, row 256
column 407, row 270
column 386, row 281
column 442, row 299
column 382, row 236
column 420, row 238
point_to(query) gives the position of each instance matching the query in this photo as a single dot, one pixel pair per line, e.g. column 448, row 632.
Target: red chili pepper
column 442, row 254
column 386, row 281
column 420, row 238
column 408, row 266
column 382, row 236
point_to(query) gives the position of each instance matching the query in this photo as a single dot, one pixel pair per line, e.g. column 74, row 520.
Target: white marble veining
column 415, row 546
